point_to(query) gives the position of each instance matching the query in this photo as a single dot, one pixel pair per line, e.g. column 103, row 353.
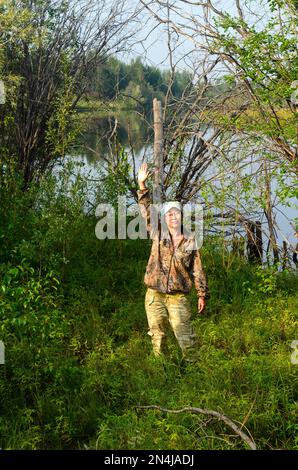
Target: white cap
column 170, row 205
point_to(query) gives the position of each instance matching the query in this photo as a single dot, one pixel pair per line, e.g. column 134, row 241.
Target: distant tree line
column 135, row 84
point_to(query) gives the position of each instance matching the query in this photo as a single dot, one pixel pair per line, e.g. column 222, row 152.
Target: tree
column 49, row 54
column 251, row 104
column 258, row 48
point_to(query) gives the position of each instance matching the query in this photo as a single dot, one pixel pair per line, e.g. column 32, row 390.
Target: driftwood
column 250, row 442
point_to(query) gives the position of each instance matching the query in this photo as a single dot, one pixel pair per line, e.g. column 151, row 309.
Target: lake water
column 136, row 136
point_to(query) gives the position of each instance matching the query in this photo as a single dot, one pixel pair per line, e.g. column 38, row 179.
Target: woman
column 173, row 265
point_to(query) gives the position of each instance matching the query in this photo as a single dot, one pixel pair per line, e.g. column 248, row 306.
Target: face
column 173, row 218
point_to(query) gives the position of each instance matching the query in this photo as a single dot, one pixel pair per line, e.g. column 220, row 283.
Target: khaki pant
column 175, row 309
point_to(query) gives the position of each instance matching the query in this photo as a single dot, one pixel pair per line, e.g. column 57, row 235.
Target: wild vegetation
column 73, row 323
column 78, row 363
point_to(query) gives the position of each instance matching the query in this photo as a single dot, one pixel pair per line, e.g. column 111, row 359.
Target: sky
column 151, row 43
column 151, row 39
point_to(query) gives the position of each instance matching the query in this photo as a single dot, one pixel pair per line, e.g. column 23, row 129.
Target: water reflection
column 104, row 133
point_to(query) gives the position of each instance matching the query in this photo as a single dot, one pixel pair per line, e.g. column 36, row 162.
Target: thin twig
column 250, row 442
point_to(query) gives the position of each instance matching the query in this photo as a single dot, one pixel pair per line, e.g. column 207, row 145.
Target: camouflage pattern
column 175, row 309
column 171, row 270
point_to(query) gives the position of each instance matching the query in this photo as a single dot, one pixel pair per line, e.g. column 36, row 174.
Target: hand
column 201, row 304
column 143, row 174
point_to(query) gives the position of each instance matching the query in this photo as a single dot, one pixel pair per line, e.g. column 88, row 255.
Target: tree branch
column 249, row 441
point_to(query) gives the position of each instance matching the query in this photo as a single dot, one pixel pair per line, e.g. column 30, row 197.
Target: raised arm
column 144, row 194
column 143, row 174
column 144, row 200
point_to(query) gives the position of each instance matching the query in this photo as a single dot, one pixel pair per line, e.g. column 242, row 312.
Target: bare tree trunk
column 250, row 233
column 254, row 241
column 259, row 240
column 268, row 213
column 284, row 255
column 158, row 152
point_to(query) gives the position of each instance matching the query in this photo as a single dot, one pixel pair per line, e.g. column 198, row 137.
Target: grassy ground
column 79, row 361
column 78, row 358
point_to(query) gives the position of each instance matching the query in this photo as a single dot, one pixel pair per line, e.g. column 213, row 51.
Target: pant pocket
column 149, row 298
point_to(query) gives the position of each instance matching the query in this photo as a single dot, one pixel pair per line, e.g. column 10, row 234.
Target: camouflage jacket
column 172, row 270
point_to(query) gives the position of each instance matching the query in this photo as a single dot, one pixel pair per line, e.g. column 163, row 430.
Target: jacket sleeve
column 147, row 211
column 199, row 276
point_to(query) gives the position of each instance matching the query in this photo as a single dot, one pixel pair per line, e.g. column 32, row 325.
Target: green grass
column 84, row 390
column 79, row 360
